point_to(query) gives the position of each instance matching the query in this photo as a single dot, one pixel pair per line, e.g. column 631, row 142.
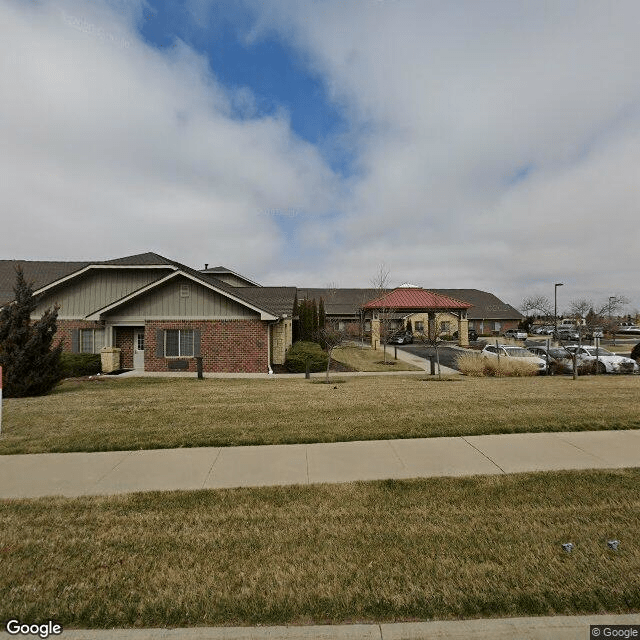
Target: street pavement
column 541, row 628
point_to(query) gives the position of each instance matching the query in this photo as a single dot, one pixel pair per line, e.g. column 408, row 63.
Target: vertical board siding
column 96, row 290
column 165, row 301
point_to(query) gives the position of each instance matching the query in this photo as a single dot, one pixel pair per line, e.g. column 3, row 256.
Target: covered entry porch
column 422, row 307
column 129, row 341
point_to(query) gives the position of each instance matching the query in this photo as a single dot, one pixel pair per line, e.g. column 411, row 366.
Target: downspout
column 270, row 324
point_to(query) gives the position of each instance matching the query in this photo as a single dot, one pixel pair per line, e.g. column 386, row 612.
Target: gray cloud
column 502, row 136
column 496, row 145
column 111, row 149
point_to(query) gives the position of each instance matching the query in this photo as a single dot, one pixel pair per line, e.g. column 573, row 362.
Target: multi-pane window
column 445, row 327
column 419, row 325
column 178, row 342
column 91, row 340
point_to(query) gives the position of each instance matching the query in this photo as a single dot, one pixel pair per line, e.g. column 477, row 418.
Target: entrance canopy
column 416, row 300
column 421, row 302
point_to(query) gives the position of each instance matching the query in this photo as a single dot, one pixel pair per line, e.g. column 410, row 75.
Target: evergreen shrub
column 301, row 353
column 74, row 365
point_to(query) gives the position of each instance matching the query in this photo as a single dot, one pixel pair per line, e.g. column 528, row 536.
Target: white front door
column 138, row 349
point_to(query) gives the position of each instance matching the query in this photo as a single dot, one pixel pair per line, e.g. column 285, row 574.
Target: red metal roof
column 415, row 298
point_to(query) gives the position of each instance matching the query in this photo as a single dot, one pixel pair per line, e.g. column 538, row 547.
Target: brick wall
column 65, row 327
column 124, row 341
column 233, row 346
column 486, row 327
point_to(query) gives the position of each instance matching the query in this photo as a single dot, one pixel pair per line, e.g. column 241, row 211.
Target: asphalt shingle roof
column 347, row 302
column 37, row 272
column 275, row 300
column 415, row 298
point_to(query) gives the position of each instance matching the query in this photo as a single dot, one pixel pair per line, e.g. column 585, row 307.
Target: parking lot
column 448, row 353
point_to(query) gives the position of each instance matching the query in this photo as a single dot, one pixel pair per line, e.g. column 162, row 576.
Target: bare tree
column 536, row 305
column 330, row 338
column 579, row 309
column 380, row 284
column 605, row 311
column 430, row 336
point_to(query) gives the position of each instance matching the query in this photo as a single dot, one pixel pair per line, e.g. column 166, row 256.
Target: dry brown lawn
column 366, row 359
column 379, row 551
column 147, row 413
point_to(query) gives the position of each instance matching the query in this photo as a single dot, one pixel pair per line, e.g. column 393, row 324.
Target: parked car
column 568, row 334
column 631, row 330
column 401, row 337
column 594, row 332
column 602, row 360
column 547, row 330
column 559, row 360
column 515, row 353
column 538, row 330
column 517, row 334
column 473, row 336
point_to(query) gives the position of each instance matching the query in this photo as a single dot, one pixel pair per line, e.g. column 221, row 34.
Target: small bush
column 302, row 353
column 476, row 365
column 635, row 353
column 510, row 368
column 471, row 364
column 75, row 365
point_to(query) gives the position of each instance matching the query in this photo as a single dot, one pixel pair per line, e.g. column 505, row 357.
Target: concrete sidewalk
column 542, row 628
column 115, row 472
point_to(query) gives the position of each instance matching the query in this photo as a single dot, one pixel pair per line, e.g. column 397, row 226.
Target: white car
column 517, row 334
column 632, row 330
column 514, row 353
column 602, row 360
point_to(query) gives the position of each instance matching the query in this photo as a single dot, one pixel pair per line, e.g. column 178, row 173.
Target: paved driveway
column 447, row 354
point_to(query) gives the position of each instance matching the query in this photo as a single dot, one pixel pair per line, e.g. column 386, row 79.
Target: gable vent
column 185, row 290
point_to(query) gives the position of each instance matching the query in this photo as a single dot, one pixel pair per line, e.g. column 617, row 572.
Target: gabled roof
column 140, row 260
column 38, row 272
column 339, row 302
column 51, row 274
column 486, row 306
column 278, row 300
column 347, row 302
column 415, row 298
column 221, row 271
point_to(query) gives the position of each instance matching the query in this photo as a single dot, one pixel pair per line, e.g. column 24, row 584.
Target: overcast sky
column 476, row 144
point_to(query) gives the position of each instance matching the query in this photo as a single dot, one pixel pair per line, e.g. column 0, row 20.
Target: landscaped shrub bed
column 302, row 354
column 75, row 365
column 473, row 364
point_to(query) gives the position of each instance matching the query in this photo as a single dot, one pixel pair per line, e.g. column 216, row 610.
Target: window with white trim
column 178, row 343
column 91, row 340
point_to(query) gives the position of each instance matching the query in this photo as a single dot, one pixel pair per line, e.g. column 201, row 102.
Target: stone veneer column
column 375, row 332
column 463, row 332
column 110, row 357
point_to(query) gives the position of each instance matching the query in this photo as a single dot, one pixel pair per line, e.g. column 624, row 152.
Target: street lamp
column 555, row 307
column 613, row 331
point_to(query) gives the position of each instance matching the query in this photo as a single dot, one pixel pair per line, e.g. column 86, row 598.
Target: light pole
column 555, row 308
column 613, row 331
